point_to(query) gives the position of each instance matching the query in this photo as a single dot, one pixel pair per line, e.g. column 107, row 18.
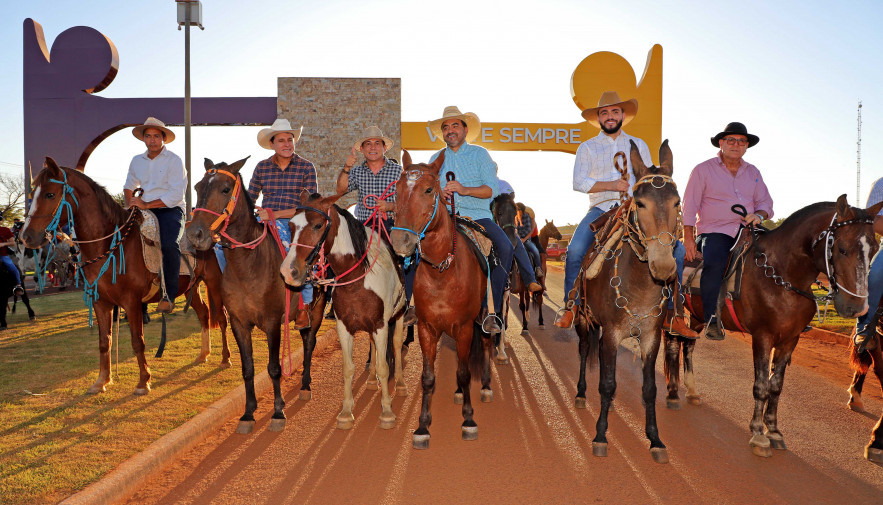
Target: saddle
column 608, row 230
column 732, row 285
column 151, row 248
column 480, row 242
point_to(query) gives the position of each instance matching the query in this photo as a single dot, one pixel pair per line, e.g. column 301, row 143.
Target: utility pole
column 189, row 13
column 858, row 159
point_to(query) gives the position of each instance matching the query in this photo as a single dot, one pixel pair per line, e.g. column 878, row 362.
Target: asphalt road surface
column 534, row 446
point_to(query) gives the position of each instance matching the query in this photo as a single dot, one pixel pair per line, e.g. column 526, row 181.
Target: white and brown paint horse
column 368, row 297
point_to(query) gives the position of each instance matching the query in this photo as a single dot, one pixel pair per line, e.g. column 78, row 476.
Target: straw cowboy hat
column 452, row 112
column 735, row 128
column 281, row 125
column 152, row 122
column 608, row 98
column 373, row 132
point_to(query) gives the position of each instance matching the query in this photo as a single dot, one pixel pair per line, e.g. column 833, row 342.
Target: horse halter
column 828, row 236
column 634, row 227
column 223, row 217
column 63, row 205
column 314, row 253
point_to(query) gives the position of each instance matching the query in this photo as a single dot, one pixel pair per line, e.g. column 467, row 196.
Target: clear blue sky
column 791, row 71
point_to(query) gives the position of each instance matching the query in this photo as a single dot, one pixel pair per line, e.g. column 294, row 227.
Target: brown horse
column 369, row 294
column 254, row 292
column 448, row 289
column 548, row 231
column 861, row 363
column 628, row 295
column 106, row 235
column 777, row 302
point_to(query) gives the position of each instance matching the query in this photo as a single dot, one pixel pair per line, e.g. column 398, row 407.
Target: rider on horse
column 528, row 273
column 865, row 329
column 159, row 173
column 714, row 187
column 525, row 227
column 8, row 240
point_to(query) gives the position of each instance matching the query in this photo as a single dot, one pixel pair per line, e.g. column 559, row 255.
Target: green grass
column 54, row 438
column 832, row 320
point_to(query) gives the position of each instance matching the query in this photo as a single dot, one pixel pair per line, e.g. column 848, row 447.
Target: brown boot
column 410, row 317
column 534, row 287
column 165, row 306
column 678, row 327
column 302, row 320
column 566, row 320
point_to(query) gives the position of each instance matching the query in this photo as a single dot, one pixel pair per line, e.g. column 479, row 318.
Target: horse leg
column 136, row 332
column 607, row 389
column 524, row 305
column 464, row 337
column 874, row 449
column 760, row 347
column 345, row 418
column 274, row 370
column 219, row 317
column 242, row 334
column 481, row 350
column 584, row 334
column 27, row 302
column 500, row 339
column 690, row 377
column 855, row 402
column 397, row 338
column 671, row 369
column 202, row 313
column 650, row 351
column 429, row 348
column 539, row 303
column 371, row 366
column 308, row 338
column 781, row 359
column 103, row 311
column 387, row 418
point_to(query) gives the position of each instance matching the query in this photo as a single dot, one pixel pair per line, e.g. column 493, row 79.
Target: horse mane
column 797, row 218
column 357, row 230
column 106, row 203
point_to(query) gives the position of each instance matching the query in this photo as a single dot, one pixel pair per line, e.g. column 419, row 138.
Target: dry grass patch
column 54, row 438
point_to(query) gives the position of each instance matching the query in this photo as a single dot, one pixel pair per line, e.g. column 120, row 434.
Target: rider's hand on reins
column 261, row 213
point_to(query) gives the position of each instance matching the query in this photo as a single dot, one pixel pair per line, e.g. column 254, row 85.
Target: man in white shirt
column 160, row 174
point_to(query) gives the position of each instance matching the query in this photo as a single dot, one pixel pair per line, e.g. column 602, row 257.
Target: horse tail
column 859, row 362
column 477, row 357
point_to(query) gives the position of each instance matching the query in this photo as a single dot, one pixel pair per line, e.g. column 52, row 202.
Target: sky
column 792, row 71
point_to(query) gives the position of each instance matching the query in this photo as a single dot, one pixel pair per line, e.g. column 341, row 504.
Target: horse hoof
column 142, row 391
column 694, row 400
column 541, row 327
column 487, row 396
column 777, row 442
column 33, row 319
column 420, row 441
column 760, row 446
column 202, row 358
column 470, row 432
column 388, row 423
column 502, row 359
column 371, row 385
column 580, row 402
column 458, row 398
column 673, row 403
column 525, row 332
column 345, row 423
column 659, row 455
column 306, row 395
column 277, row 425
column 401, row 390
column 856, row 406
column 225, row 363
column 95, row 389
column 599, row 449
column 874, row 455
column 245, row 427
column 3, row 328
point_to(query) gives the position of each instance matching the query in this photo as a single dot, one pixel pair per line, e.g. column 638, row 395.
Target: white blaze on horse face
column 300, row 222
column 31, row 210
column 863, row 268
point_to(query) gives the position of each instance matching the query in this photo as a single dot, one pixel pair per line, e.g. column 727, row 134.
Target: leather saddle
column 152, row 251
column 480, row 242
column 732, row 285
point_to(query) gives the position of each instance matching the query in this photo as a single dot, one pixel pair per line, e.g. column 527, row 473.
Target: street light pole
column 187, row 18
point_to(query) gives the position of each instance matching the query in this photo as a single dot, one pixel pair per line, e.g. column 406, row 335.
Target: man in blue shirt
column 475, row 184
column 866, row 326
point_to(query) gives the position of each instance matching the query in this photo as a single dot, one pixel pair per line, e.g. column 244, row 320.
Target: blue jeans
column 171, row 226
column 580, row 243
column 12, row 268
column 715, row 248
column 680, row 253
column 524, row 266
column 500, row 274
column 533, row 252
column 875, row 289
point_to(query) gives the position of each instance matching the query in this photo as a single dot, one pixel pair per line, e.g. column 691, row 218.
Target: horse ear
column 844, row 211
column 209, row 164
column 304, row 196
column 873, row 210
column 406, row 159
column 666, row 164
column 638, row 166
column 235, row 167
column 331, row 200
column 437, row 164
column 52, row 166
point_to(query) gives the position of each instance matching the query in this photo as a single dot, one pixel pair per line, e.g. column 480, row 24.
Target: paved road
column 535, row 447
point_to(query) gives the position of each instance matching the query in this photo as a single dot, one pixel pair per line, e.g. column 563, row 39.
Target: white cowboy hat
column 152, row 122
column 281, row 125
column 452, row 112
column 608, row 98
column 373, row 132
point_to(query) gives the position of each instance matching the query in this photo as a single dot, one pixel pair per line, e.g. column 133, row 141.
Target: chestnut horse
column 448, row 289
column 114, row 273
column 628, row 296
column 254, row 292
column 777, row 301
column 369, row 293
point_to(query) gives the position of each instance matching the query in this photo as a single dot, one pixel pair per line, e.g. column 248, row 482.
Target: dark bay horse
column 548, row 231
column 861, row 363
column 628, row 296
column 448, row 289
column 369, row 293
column 504, row 211
column 7, row 284
column 254, row 292
column 114, row 271
column 777, row 301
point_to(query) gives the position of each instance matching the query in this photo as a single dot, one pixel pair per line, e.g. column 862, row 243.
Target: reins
column 449, row 259
column 224, row 216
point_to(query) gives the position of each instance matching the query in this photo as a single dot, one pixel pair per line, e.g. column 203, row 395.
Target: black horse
column 7, row 283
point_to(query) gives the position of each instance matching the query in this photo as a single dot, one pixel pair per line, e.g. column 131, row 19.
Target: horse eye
column 50, row 196
column 317, row 226
column 677, row 204
column 641, row 205
column 225, row 190
column 842, row 251
column 428, row 191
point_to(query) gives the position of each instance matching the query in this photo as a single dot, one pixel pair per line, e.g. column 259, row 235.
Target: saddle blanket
column 151, row 246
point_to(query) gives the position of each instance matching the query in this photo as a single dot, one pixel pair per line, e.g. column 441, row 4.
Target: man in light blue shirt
column 475, row 184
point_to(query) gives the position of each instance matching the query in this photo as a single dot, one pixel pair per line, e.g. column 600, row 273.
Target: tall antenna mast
column 858, row 158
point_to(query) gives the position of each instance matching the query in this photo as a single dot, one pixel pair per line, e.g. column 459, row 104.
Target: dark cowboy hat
column 735, row 128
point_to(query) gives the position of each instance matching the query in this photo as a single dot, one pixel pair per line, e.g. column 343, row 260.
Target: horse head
column 657, row 207
column 47, row 201
column 313, row 228
column 418, row 198
column 552, row 230
column 504, row 211
column 849, row 250
column 218, row 195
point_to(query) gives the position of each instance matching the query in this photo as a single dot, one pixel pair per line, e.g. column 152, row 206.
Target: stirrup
column 488, row 321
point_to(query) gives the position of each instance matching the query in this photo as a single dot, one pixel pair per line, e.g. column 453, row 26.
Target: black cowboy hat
column 735, row 128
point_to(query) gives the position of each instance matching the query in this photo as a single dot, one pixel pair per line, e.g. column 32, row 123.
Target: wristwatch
column 759, row 216
column 344, row 170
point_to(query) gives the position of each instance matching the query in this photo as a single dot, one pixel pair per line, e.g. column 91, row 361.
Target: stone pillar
column 334, row 113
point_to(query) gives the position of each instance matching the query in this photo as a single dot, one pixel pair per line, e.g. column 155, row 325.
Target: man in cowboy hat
column 374, row 176
column 159, row 173
column 281, row 178
column 7, row 237
column 716, row 185
column 476, row 185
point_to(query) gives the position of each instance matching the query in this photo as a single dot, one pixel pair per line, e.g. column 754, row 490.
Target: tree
column 12, row 197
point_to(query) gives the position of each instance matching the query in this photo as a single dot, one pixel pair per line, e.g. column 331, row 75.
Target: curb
column 124, row 480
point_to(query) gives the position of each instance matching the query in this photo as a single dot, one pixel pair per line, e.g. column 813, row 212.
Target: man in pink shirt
column 714, row 187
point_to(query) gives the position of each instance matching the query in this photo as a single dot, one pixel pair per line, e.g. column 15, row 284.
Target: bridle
column 413, row 175
column 219, row 225
column 314, row 253
column 635, row 235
